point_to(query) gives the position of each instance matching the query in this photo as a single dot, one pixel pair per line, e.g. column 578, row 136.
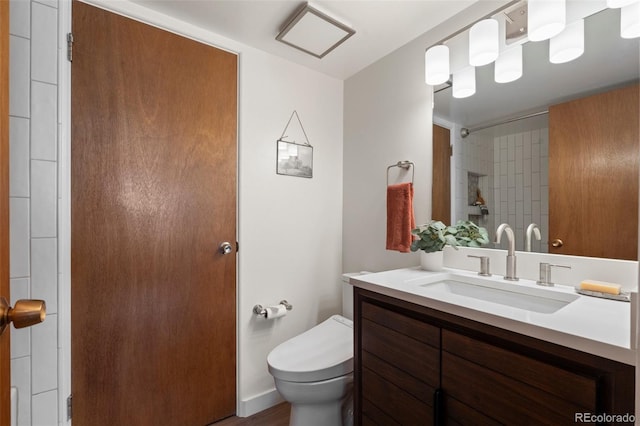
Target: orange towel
column 400, row 218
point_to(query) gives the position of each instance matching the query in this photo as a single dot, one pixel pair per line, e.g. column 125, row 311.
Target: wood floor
column 274, row 416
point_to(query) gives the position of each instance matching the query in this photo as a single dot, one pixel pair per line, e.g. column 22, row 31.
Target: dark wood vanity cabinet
column 419, row 366
column 400, row 367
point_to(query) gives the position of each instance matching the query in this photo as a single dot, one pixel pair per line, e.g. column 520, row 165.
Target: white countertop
column 598, row 326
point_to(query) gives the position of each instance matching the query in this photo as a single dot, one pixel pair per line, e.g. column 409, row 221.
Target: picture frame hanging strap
column 301, row 126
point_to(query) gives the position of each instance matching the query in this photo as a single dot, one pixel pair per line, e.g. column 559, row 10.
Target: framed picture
column 294, row 159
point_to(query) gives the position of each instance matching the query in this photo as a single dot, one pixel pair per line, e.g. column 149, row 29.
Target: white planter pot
column 432, row 261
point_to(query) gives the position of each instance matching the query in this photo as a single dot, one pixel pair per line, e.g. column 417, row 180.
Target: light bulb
column 568, row 45
column 546, row 18
column 630, row 21
column 436, row 65
column 483, row 42
column 464, row 82
column 508, row 66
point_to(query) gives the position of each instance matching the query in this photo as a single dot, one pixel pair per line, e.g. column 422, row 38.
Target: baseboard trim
column 257, row 403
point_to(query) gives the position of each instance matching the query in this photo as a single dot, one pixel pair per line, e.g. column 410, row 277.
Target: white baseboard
column 257, row 403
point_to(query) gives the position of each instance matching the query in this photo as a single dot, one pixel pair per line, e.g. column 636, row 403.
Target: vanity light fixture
column 464, row 82
column 436, row 65
column 630, row 21
column 569, row 44
column 546, row 18
column 508, row 66
column 483, row 42
column 314, row 32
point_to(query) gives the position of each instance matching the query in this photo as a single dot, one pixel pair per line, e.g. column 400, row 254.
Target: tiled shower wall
column 521, row 184
column 512, row 162
column 476, row 157
column 33, row 127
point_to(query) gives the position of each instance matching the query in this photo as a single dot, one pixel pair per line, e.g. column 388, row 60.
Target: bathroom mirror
column 608, row 62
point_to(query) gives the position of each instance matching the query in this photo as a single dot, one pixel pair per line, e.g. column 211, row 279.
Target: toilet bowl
column 314, row 373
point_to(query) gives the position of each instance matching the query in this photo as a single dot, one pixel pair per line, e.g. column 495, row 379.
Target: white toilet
column 314, row 370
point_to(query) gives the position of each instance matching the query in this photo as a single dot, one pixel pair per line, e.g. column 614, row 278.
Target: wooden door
column 5, row 373
column 594, row 150
column 153, row 195
column 441, row 188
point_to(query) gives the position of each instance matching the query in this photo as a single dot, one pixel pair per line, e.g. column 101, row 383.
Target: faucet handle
column 484, row 265
column 545, row 273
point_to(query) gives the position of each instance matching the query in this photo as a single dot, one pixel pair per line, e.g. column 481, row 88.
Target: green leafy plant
column 435, row 235
column 470, row 235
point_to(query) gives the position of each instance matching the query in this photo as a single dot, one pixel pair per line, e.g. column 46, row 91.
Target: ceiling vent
column 314, row 32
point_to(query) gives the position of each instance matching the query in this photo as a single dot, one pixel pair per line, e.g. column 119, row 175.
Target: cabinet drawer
column 402, row 324
column 393, row 401
column 577, row 389
column 412, row 356
column 510, row 387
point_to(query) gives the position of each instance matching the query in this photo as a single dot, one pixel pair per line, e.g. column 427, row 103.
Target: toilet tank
column 347, row 293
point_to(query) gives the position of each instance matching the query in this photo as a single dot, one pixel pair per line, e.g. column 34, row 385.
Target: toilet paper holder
column 262, row 312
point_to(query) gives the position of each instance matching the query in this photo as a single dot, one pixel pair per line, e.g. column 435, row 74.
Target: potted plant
column 435, row 235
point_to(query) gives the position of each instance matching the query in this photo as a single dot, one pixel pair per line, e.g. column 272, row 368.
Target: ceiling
column 381, row 26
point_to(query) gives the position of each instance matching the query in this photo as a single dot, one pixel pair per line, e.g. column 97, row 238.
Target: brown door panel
column 153, row 195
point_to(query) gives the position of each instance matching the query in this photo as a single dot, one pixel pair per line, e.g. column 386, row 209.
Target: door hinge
column 69, row 407
column 450, row 150
column 70, row 47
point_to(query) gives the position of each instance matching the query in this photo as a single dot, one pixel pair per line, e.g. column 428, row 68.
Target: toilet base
column 316, row 414
column 325, row 403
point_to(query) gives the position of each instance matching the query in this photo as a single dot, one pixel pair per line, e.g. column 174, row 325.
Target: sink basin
column 517, row 296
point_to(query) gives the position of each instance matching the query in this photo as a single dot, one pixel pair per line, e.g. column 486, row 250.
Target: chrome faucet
column 511, row 253
column 531, row 229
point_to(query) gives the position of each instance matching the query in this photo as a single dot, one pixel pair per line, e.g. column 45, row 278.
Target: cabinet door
column 400, row 365
column 482, row 381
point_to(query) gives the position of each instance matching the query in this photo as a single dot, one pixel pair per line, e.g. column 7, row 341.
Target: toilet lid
column 321, row 353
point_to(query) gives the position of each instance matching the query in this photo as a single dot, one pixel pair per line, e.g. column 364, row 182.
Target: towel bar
column 404, row 164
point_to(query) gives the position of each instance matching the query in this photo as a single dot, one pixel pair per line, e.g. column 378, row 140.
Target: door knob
column 225, row 248
column 557, row 243
column 25, row 313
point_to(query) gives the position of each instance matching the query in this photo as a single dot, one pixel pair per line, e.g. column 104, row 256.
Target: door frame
column 148, row 17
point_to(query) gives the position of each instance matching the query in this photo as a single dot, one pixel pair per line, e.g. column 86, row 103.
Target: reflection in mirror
column 506, row 165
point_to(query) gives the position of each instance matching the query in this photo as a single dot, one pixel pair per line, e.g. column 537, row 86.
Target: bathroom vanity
column 429, row 350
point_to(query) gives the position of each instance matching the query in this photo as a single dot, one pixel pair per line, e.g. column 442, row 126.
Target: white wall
column 388, row 118
column 289, row 229
column 33, row 204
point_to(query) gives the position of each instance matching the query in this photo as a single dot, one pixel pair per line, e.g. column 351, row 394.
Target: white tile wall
column 19, row 76
column 44, row 355
column 33, row 111
column 43, row 199
column 21, row 379
column 44, row 103
column 20, row 19
column 44, row 271
column 44, row 60
column 19, row 153
column 20, row 339
column 19, row 242
column 45, row 408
